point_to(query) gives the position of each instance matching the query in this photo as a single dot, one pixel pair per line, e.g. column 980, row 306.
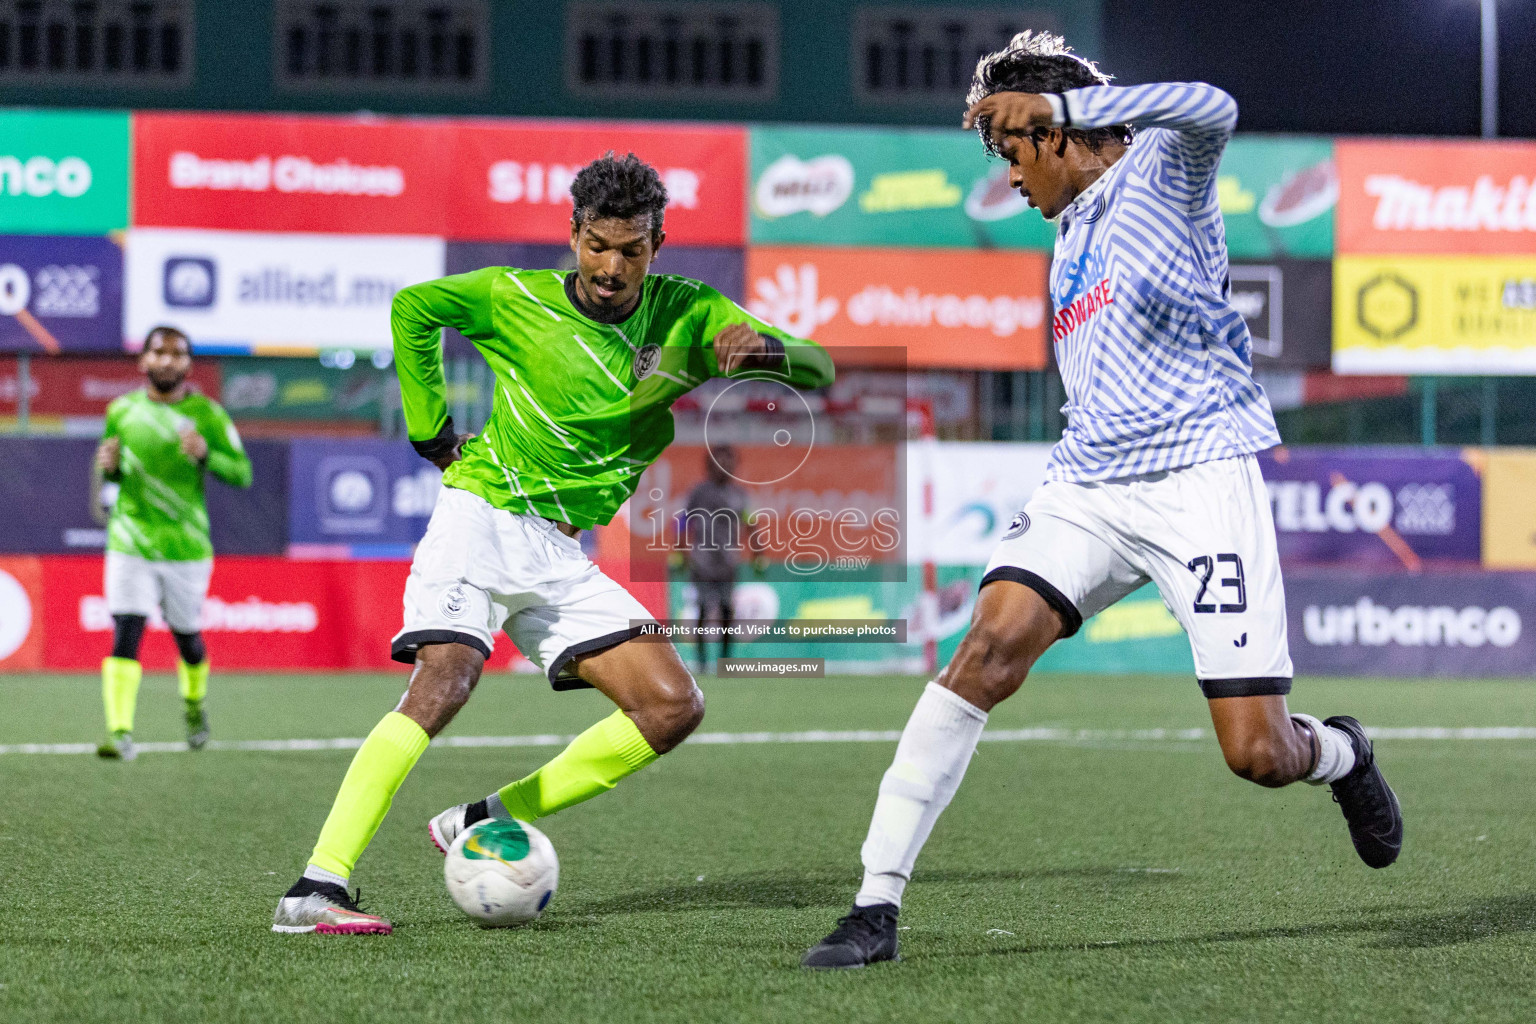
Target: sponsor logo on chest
column 1081, row 310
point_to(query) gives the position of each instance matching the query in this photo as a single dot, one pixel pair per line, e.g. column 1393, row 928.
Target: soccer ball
column 502, row 873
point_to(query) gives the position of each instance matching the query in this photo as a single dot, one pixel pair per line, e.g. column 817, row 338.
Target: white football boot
column 325, row 909
column 447, row 826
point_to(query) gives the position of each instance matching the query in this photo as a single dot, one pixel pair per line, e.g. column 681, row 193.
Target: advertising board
column 254, row 293
column 1509, row 508
column 63, row 172
column 973, row 310
column 886, row 187
column 1435, row 314
column 306, row 389
column 21, row 612
column 1412, row 624
column 1452, row 197
column 511, row 181
column 264, row 172
column 83, row 387
column 54, row 473
column 1288, row 307
column 261, row 613
column 1136, row 635
column 1277, row 196
column 1374, row 507
column 358, row 499
column 60, row 293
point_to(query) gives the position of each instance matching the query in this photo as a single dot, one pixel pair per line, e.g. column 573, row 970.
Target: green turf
column 1111, row 881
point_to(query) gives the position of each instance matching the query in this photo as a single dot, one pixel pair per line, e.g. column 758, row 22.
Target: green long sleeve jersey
column 581, row 407
column 161, row 514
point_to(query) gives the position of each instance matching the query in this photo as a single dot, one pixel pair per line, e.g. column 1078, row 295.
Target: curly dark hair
column 1040, row 62
column 622, row 187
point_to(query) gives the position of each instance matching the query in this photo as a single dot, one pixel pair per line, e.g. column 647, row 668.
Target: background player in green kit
column 159, row 443
column 587, row 366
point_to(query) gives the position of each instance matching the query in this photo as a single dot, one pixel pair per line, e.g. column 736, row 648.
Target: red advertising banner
column 967, row 310
column 83, row 387
column 260, row 172
column 1403, row 196
column 511, row 181
column 21, row 609
column 261, row 614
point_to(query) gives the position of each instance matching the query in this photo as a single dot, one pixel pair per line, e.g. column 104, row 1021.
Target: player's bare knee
column 441, row 684
column 989, row 666
column 672, row 711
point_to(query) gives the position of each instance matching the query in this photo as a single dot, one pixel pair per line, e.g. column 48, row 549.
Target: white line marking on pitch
column 1040, row 735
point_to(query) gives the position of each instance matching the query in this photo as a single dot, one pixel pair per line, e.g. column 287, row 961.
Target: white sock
column 496, row 808
column 315, row 874
column 931, row 759
column 1335, row 755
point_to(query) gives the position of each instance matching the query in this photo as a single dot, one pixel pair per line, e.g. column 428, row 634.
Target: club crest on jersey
column 646, row 360
column 454, row 602
column 1017, row 526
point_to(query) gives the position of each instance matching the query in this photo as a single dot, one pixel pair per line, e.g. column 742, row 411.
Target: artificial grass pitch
column 1118, row 878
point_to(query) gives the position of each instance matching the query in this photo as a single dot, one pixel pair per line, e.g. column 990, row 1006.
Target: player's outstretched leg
column 192, row 681
column 1265, row 743
column 1011, row 627
column 121, row 674
column 659, row 705
column 443, row 679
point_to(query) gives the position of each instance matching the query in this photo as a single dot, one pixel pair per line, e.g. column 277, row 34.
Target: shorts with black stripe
column 1203, row 534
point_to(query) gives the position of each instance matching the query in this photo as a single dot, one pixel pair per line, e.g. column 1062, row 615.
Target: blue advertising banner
column 1382, row 507
column 60, row 294
column 54, row 473
column 722, row 268
column 1473, row 624
column 361, row 498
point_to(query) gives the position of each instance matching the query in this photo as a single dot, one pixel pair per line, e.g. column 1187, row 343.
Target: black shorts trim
column 571, row 653
column 407, row 644
column 1256, row 686
column 1071, row 618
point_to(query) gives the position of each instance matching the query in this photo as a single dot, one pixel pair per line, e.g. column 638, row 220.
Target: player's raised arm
column 416, row 319
column 740, row 342
column 226, row 458
column 1203, row 112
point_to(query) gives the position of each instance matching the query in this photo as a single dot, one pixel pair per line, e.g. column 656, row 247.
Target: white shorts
column 480, row 568
column 1203, row 534
column 176, row 590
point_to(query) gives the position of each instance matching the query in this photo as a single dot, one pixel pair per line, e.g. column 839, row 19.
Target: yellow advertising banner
column 1434, row 314
column 1509, row 509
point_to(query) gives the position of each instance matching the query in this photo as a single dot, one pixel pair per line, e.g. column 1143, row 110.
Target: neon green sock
column 192, row 680
column 593, row 763
column 120, row 678
column 380, row 766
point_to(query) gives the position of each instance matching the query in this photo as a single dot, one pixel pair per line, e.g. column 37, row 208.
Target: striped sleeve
column 1197, row 119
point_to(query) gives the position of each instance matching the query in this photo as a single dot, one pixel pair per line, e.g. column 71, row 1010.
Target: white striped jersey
column 1157, row 363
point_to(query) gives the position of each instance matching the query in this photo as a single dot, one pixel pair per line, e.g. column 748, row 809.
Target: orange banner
column 963, row 310
column 1436, row 197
